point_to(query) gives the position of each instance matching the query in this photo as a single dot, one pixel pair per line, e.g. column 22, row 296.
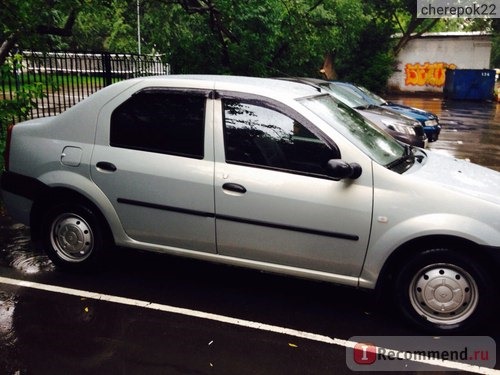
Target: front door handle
column 237, row 188
column 106, row 166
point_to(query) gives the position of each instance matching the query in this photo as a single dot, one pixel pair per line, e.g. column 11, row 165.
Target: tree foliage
column 33, row 22
column 253, row 37
column 22, row 101
column 268, row 37
column 495, row 50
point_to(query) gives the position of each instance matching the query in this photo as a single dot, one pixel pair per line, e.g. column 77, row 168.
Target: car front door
column 274, row 200
column 154, row 161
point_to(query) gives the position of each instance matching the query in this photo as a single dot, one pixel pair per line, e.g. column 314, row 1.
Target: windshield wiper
column 407, row 157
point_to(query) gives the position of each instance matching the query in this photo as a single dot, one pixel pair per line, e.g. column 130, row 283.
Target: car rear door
column 274, row 200
column 154, row 161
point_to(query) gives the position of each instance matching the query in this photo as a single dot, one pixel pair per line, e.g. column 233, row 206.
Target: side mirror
column 339, row 169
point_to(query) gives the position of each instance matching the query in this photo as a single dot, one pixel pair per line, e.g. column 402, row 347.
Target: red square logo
column 364, row 353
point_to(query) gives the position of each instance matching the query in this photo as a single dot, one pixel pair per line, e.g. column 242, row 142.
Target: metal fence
column 66, row 78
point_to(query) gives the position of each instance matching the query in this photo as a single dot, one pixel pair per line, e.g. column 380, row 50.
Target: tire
column 74, row 237
column 443, row 291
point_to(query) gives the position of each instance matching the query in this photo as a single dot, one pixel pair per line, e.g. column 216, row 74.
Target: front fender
column 385, row 241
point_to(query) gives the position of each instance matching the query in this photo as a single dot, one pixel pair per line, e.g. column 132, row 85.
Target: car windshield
column 376, row 100
column 378, row 145
column 348, row 97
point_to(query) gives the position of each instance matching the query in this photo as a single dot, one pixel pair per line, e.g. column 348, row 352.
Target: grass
column 22, row 82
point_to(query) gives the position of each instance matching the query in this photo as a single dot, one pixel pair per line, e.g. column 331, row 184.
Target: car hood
column 379, row 113
column 461, row 176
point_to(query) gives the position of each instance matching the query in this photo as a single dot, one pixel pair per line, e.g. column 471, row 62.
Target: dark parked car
column 429, row 120
column 401, row 127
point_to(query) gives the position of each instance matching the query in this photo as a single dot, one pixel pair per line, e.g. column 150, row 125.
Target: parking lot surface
column 152, row 314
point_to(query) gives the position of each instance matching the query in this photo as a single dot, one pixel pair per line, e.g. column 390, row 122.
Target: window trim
column 203, row 93
column 283, row 109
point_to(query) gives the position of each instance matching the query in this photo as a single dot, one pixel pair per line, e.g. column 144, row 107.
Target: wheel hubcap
column 71, row 237
column 444, row 294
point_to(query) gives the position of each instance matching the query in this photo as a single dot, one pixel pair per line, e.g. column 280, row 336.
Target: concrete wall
column 421, row 65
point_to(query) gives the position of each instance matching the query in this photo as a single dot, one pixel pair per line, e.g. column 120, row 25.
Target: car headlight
column 431, row 123
column 399, row 127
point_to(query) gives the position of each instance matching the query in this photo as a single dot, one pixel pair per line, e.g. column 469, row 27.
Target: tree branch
column 7, row 45
column 67, row 30
column 318, row 3
column 409, row 33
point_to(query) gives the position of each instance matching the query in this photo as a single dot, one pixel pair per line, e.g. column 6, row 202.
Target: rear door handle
column 237, row 188
column 106, row 166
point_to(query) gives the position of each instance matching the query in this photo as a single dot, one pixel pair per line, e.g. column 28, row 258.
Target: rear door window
column 161, row 121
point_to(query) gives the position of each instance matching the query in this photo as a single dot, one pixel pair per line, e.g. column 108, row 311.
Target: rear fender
column 76, row 183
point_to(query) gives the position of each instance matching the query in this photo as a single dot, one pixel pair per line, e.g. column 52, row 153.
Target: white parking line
column 229, row 320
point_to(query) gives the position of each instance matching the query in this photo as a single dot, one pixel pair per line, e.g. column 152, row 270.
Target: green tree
column 495, row 49
column 93, row 27
column 403, row 14
column 35, row 22
column 268, row 37
column 21, row 103
column 254, row 37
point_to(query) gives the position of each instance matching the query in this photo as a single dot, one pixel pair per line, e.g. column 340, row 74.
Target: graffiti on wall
column 428, row 74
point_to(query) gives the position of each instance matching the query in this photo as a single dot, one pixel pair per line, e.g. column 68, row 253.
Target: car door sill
column 253, row 264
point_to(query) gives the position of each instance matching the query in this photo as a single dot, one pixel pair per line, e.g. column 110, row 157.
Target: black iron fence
column 66, row 78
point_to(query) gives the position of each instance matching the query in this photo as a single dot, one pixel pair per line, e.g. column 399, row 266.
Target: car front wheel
column 443, row 291
column 73, row 236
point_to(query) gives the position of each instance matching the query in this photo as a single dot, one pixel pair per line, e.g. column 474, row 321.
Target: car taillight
column 6, row 154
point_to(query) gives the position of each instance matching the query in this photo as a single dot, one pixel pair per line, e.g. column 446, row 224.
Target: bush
column 19, row 107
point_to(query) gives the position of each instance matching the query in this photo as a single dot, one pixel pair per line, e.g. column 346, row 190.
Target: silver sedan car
column 260, row 173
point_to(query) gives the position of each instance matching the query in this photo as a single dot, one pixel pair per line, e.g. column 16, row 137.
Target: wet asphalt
column 54, row 332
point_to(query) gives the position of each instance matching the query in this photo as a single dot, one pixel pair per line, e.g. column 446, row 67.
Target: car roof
column 256, row 85
column 266, row 87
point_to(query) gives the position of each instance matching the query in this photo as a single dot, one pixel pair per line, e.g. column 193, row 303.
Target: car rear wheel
column 73, row 236
column 442, row 290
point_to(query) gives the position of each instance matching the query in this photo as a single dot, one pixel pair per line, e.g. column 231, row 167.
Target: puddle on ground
column 7, row 308
column 470, row 130
column 17, row 250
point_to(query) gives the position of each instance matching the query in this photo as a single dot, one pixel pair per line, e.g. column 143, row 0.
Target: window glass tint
column 165, row 122
column 264, row 137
